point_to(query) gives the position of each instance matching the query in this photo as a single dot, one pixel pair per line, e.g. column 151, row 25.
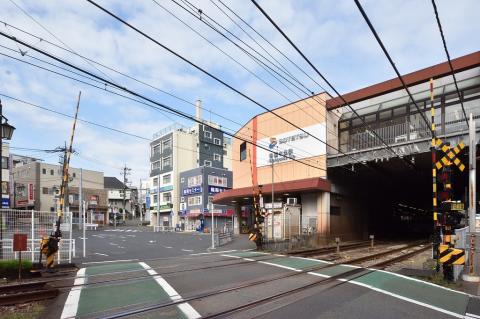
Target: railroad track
column 226, row 313
column 329, row 249
column 26, row 292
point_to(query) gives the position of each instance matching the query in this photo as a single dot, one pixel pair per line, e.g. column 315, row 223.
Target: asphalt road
column 124, row 273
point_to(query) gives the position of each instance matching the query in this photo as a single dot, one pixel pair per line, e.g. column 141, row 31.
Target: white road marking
column 231, row 256
column 152, row 241
column 322, row 261
column 109, row 261
column 113, row 244
column 121, row 247
column 215, row 252
column 167, row 247
column 101, row 254
column 71, row 304
column 281, row 266
column 82, row 238
column 185, row 307
column 189, row 250
column 248, row 259
column 471, row 316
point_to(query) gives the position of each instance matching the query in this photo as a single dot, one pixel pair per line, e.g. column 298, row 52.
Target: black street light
column 6, row 131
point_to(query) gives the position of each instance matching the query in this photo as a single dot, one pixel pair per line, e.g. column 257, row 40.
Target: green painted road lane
column 423, row 292
column 97, row 300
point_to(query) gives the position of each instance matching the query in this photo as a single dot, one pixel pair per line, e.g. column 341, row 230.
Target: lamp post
column 6, row 132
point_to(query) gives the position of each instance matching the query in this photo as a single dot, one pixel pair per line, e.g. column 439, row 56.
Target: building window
column 182, row 180
column 45, row 190
column 4, row 188
column 182, row 199
column 167, row 179
column 156, row 165
column 243, row 151
column 74, row 175
column 4, row 162
column 195, row 181
column 225, row 152
column 167, row 197
column 217, row 157
column 207, row 134
column 155, row 182
column 166, row 162
column 207, row 163
column 217, row 141
column 155, row 198
column 210, row 199
column 44, row 171
column 217, row 181
column 167, row 144
column 194, row 200
column 51, row 172
column 156, row 150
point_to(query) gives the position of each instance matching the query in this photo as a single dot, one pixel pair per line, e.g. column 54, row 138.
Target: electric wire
column 460, row 98
column 153, row 104
column 328, row 82
column 134, row 79
column 384, row 49
column 208, row 74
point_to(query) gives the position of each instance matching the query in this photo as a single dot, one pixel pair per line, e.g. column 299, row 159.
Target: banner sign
column 192, row 190
column 215, row 190
column 293, row 145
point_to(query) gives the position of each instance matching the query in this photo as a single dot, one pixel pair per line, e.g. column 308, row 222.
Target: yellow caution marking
column 451, row 256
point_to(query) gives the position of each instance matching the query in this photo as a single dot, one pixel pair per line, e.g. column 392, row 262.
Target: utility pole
column 140, row 201
column 80, row 200
column 273, row 143
column 125, row 172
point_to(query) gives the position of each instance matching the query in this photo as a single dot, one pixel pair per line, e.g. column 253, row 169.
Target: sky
column 332, row 33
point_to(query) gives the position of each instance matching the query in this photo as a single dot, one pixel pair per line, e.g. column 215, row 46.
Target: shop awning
column 301, row 185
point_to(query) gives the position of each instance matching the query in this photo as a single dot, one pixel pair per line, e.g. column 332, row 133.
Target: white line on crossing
column 185, row 307
column 187, row 250
column 109, row 261
column 101, row 254
column 71, row 304
column 214, row 252
column 281, row 266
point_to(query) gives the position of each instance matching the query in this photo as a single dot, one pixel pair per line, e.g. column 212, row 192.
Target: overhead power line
column 326, row 81
column 209, row 74
column 460, row 98
column 124, row 75
column 384, row 49
column 156, row 105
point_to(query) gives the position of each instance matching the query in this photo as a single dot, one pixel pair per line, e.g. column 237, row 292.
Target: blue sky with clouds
column 332, row 33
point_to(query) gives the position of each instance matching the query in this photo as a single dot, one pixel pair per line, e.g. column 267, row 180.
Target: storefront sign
column 293, row 145
column 165, row 207
column 215, row 190
column 24, row 195
column 5, row 202
column 162, row 189
column 275, row 205
column 192, row 190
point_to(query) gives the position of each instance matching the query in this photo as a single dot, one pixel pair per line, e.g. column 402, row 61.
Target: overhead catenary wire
column 132, row 78
column 246, row 68
column 460, row 98
column 202, row 17
column 389, row 58
column 326, row 81
column 112, row 92
column 154, row 104
column 209, row 74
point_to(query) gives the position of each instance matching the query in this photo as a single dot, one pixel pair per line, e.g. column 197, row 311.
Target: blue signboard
column 215, row 189
column 192, row 190
column 5, row 202
column 147, row 202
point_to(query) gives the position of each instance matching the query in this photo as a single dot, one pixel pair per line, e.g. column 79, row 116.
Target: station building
column 357, row 185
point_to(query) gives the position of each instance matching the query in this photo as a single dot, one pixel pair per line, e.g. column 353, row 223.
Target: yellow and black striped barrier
column 451, row 256
column 450, row 155
column 252, row 237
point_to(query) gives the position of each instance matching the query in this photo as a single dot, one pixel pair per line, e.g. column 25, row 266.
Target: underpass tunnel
column 389, row 198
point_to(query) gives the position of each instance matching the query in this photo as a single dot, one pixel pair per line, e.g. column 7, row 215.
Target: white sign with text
column 293, row 145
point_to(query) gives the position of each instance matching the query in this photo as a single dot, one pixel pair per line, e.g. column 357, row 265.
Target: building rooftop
column 113, row 183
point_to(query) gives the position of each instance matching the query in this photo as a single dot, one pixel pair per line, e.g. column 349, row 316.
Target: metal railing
column 36, row 225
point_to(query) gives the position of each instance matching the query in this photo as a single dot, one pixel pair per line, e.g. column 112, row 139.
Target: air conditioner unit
column 291, row 201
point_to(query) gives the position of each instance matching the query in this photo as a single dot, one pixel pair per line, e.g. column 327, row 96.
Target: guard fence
column 34, row 224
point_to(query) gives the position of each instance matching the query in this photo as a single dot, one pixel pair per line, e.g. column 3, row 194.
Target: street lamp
column 6, row 131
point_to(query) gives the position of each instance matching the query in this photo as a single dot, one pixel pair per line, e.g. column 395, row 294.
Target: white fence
column 34, row 224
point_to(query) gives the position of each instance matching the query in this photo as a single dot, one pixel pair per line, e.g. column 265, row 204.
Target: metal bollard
column 372, row 241
column 337, row 242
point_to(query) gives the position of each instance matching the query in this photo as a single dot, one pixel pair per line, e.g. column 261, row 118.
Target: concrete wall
column 347, row 219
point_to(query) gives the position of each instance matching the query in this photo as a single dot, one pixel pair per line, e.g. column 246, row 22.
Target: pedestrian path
column 86, row 300
column 409, row 289
column 125, row 230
